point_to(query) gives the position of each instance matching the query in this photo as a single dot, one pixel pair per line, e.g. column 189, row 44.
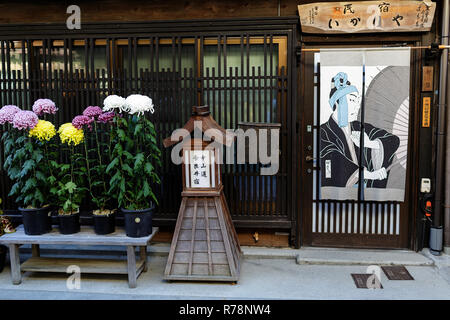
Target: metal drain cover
column 366, row 281
column 397, row 273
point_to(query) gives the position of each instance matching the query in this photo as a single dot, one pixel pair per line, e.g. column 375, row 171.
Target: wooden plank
column 192, row 237
column 59, row 265
column 86, row 236
column 135, row 10
column 367, row 16
column 200, row 257
column 225, row 236
column 202, row 278
column 427, row 78
column 208, row 238
column 176, row 234
column 200, row 246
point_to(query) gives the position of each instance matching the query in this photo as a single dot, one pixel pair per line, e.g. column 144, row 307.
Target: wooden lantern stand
column 205, row 246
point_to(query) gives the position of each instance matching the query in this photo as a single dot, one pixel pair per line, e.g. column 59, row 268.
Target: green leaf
column 128, row 155
column 51, row 180
column 39, row 196
column 13, row 173
column 20, row 153
column 121, row 134
column 128, row 169
column 27, row 166
column 40, row 176
column 67, row 206
column 28, row 199
column 37, row 156
column 29, row 184
column 21, row 139
column 112, row 164
column 54, row 164
column 70, row 186
column 139, row 160
column 148, row 168
column 115, row 178
column 122, row 185
column 29, row 147
column 137, row 129
column 64, row 167
column 146, row 189
column 14, row 189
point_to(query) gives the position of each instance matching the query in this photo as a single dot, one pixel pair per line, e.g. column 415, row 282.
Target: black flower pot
column 36, row 221
column 69, row 224
column 2, row 257
column 104, row 224
column 138, row 223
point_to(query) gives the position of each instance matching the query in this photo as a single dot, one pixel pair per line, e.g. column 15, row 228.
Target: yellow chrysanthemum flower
column 70, row 135
column 43, row 131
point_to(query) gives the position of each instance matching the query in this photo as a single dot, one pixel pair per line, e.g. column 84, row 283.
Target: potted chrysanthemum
column 69, row 189
column 30, row 161
column 134, row 158
column 97, row 129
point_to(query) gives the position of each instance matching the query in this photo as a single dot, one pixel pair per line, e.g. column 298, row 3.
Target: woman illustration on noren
column 340, row 142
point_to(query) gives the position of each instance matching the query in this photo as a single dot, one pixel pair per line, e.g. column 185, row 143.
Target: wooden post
column 35, row 250
column 144, row 257
column 131, row 259
column 15, row 264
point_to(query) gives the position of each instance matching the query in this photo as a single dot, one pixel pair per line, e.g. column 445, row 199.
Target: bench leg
column 35, row 250
column 131, row 258
column 15, row 263
column 144, row 257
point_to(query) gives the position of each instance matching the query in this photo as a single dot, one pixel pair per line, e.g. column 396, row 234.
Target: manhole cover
column 397, row 273
column 366, row 281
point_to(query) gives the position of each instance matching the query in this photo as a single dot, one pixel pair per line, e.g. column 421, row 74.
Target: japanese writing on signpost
column 366, row 16
column 200, row 168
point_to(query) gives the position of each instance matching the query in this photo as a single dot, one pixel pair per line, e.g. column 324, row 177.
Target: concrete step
column 305, row 255
column 332, row 256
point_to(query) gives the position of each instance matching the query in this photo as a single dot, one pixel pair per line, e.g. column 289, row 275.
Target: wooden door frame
column 408, row 209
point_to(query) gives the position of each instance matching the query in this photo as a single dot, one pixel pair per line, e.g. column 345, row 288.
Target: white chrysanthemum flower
column 138, row 104
column 114, row 103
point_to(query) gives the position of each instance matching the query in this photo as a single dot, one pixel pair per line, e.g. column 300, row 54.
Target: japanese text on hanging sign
column 366, row 16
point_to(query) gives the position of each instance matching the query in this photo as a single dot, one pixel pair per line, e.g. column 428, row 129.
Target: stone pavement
column 266, row 273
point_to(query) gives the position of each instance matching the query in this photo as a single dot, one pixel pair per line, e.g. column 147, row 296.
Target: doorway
column 350, row 223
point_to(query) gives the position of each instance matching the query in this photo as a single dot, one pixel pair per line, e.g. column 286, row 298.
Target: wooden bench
column 86, row 236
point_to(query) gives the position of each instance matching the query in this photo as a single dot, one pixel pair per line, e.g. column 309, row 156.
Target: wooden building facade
column 244, row 60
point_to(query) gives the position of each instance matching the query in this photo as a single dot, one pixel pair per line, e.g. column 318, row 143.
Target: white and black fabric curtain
column 364, row 121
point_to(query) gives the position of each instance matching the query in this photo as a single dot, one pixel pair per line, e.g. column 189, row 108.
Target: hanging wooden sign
column 427, row 78
column 366, row 16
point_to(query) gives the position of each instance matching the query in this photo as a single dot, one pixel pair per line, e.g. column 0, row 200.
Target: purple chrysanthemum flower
column 82, row 120
column 25, row 120
column 92, row 111
column 7, row 113
column 42, row 106
column 106, row 117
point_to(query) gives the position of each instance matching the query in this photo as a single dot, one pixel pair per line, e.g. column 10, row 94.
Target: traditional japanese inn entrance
column 351, row 223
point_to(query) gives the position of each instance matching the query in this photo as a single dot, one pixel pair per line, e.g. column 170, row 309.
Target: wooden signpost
column 366, row 16
column 205, row 245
